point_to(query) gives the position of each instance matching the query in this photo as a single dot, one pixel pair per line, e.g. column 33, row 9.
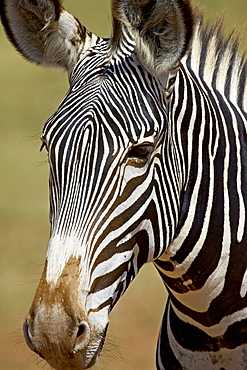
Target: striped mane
column 218, row 61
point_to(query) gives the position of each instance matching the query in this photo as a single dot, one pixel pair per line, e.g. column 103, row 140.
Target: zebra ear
column 162, row 29
column 44, row 32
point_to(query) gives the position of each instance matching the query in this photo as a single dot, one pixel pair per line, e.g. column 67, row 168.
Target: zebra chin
column 58, row 327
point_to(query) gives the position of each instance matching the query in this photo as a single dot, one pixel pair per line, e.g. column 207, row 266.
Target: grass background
column 28, row 95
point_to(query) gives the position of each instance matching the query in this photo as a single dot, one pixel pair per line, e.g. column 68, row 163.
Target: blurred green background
column 28, row 96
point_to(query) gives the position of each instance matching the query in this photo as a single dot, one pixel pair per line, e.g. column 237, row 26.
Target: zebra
column 147, row 156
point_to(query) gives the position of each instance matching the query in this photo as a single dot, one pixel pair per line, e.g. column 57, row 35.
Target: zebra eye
column 140, row 151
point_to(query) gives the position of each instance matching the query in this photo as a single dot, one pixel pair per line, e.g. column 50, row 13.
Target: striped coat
column 147, row 164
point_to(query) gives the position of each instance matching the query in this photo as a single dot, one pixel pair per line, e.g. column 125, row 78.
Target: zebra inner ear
column 44, row 32
column 162, row 29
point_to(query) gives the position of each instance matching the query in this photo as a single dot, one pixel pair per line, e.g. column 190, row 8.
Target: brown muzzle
column 57, row 326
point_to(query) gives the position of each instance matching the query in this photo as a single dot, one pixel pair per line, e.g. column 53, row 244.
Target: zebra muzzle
column 58, row 328
column 64, row 347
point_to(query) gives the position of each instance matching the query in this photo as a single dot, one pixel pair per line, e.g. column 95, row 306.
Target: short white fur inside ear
column 69, row 31
column 67, row 26
column 68, row 42
column 166, row 59
column 162, row 30
column 45, row 33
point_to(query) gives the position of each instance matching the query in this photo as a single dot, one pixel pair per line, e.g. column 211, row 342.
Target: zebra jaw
column 58, row 328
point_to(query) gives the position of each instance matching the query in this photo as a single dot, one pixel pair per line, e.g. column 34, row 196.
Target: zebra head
column 115, row 180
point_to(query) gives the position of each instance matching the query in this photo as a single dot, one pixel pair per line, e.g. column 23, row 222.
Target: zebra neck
column 185, row 346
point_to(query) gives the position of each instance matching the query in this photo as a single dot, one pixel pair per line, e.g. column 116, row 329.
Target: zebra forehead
column 115, row 94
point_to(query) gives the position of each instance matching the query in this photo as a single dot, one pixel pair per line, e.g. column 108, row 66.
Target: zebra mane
column 218, row 60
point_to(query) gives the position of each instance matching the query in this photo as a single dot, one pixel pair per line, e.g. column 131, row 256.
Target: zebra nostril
column 81, row 330
column 27, row 336
column 83, row 336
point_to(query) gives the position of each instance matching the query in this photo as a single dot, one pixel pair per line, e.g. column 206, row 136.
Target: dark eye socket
column 140, row 151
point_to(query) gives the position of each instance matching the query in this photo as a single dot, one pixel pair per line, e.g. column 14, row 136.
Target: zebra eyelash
column 141, row 152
